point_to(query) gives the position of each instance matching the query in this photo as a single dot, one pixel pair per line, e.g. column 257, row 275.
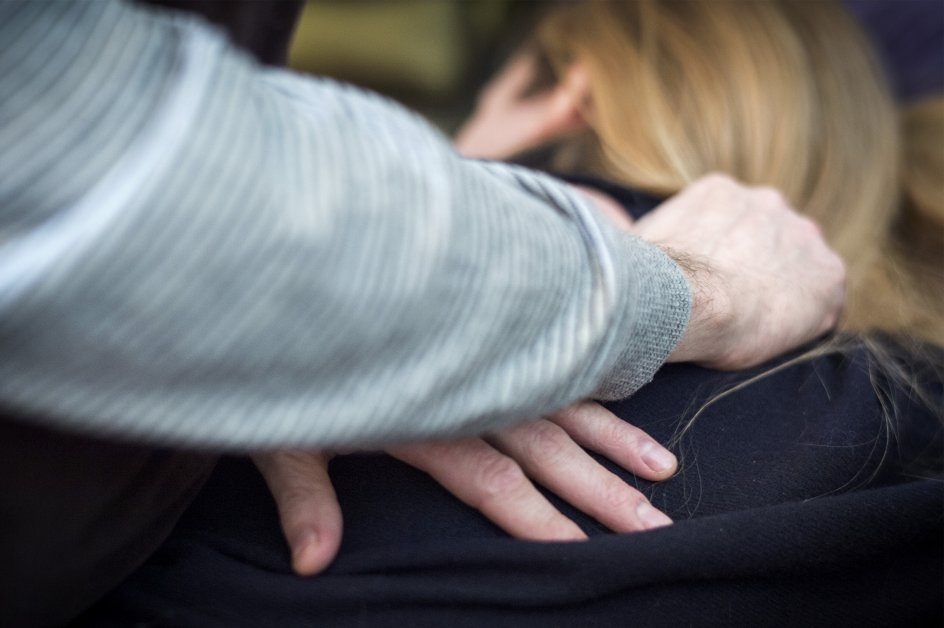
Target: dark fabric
column 77, row 515
column 634, row 202
column 766, row 534
column 261, row 27
column 800, row 501
column 794, row 506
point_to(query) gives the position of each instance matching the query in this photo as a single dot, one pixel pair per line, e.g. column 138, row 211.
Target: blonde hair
column 775, row 93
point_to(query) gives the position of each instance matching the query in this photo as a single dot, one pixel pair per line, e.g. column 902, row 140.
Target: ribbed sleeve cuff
column 654, row 303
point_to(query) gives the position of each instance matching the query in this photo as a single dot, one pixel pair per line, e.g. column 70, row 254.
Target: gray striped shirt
column 200, row 251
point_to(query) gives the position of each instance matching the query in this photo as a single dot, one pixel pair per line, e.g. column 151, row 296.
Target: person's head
column 778, row 93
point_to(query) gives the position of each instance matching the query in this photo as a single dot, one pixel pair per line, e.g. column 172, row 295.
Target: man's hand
column 763, row 280
column 308, row 508
column 493, row 477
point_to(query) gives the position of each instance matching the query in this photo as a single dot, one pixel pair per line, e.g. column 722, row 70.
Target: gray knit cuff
column 655, row 303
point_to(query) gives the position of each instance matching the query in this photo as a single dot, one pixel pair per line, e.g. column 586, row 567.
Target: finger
column 510, row 82
column 599, row 430
column 484, row 478
column 551, row 457
column 308, row 507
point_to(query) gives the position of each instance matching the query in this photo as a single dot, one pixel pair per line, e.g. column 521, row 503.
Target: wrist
column 653, row 303
column 706, row 336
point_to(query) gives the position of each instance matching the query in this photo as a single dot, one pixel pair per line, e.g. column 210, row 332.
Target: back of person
column 805, row 433
column 806, row 492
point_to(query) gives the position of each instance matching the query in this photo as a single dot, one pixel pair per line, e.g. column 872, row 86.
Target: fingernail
column 657, row 457
column 650, row 517
column 306, row 542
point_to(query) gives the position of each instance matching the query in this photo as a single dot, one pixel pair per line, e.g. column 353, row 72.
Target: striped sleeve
column 198, row 251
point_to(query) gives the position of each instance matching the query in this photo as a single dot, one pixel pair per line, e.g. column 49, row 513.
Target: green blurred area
column 432, row 55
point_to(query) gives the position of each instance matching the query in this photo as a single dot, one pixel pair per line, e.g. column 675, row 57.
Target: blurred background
column 434, row 55
column 431, row 55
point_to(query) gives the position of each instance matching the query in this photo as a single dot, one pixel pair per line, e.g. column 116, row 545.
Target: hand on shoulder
column 763, row 280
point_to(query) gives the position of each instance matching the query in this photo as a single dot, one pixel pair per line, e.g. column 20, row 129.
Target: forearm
column 255, row 259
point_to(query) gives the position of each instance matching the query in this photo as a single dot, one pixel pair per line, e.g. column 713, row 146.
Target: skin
column 762, row 278
column 495, row 476
column 762, row 281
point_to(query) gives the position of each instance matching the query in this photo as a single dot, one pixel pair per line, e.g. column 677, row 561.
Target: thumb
column 308, row 507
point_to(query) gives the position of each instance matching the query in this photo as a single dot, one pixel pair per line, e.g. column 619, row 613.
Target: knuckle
column 498, row 475
column 839, row 265
column 810, row 225
column 830, row 320
column 719, row 179
column 771, row 198
column 295, row 498
column 544, row 440
column 570, row 414
column 717, row 185
column 808, row 231
column 619, row 434
column 616, row 495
